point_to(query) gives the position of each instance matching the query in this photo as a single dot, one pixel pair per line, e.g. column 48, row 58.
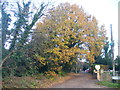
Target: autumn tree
column 71, row 32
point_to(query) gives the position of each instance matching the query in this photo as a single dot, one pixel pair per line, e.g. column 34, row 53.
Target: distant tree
column 105, row 57
column 117, row 61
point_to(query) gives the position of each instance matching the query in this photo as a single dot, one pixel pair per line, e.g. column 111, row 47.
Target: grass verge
column 36, row 81
column 109, row 84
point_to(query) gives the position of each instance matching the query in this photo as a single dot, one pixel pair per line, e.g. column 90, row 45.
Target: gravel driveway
column 81, row 80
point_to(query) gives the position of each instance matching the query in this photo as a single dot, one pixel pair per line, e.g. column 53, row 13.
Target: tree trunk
column 1, row 63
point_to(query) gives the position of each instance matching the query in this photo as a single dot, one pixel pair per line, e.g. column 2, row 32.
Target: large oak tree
column 71, row 33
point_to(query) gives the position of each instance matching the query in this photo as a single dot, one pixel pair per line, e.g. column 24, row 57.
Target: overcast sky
column 105, row 11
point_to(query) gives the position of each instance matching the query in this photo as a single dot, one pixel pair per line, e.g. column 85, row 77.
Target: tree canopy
column 61, row 36
column 18, row 20
column 19, row 34
column 70, row 32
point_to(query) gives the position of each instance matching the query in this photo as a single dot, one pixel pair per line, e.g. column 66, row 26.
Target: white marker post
column 97, row 67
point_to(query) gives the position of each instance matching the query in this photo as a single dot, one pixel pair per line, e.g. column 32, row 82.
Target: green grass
column 109, row 84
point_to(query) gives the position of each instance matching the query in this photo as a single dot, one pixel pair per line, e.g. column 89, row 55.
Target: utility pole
column 119, row 29
column 119, row 46
column 118, row 43
column 112, row 50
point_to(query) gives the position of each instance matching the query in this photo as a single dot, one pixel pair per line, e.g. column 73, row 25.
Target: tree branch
column 1, row 63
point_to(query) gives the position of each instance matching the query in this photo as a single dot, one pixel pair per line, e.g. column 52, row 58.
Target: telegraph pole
column 112, row 50
column 119, row 29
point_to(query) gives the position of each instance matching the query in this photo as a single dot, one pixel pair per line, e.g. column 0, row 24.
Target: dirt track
column 82, row 80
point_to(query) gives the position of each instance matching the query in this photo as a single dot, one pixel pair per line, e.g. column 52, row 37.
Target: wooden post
column 98, row 71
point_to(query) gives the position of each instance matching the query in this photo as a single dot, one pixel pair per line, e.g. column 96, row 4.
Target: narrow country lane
column 82, row 80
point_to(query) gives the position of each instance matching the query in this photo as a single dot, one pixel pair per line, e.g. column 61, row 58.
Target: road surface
column 81, row 80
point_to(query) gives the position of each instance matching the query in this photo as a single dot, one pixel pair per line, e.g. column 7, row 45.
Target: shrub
column 50, row 74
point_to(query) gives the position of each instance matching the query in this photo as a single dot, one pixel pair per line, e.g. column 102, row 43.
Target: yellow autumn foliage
column 71, row 32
